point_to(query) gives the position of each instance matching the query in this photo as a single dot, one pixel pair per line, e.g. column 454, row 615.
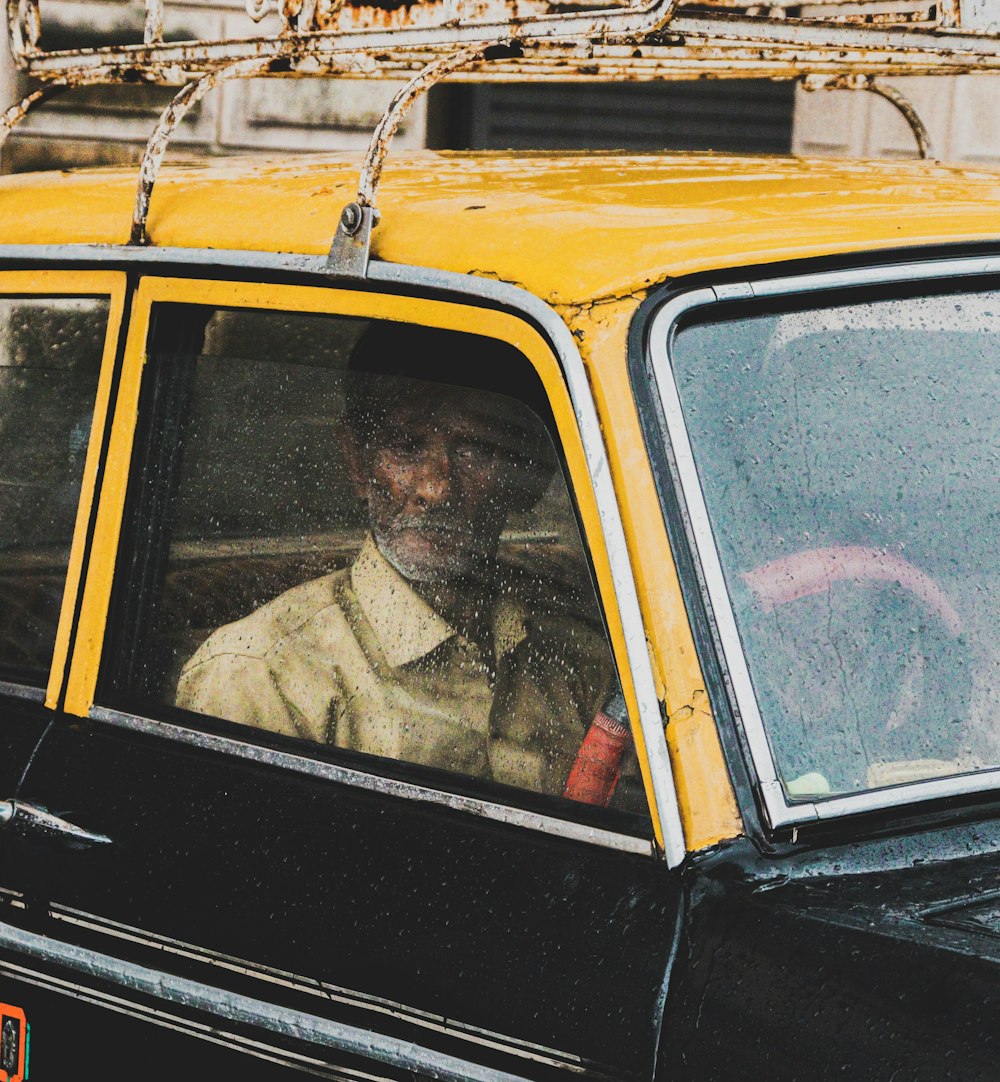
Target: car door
column 58, row 334
column 389, row 901
column 58, row 339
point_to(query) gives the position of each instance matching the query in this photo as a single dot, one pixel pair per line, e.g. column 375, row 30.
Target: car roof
column 572, row 228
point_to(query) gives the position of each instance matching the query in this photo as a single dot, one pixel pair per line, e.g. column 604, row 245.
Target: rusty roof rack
column 611, row 39
column 831, row 43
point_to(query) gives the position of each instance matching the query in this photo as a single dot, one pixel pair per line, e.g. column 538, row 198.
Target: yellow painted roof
column 569, row 227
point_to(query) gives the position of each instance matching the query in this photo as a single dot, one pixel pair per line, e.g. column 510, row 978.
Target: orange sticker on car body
column 14, row 1044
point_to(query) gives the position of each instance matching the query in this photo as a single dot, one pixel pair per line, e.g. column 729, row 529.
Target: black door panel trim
column 331, row 992
column 180, row 992
column 185, row 1026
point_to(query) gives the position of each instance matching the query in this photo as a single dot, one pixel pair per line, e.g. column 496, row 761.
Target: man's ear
column 355, row 459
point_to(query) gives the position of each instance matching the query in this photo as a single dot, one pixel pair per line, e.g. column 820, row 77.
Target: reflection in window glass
column 372, row 546
column 50, row 356
column 848, row 458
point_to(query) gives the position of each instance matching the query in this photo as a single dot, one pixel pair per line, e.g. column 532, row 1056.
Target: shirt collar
column 406, row 627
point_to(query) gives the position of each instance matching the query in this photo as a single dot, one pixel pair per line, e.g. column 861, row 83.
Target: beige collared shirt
column 357, row 659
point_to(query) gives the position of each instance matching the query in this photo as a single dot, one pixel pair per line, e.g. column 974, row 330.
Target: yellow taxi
column 564, row 647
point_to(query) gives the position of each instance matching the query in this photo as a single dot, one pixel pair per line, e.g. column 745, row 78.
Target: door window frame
column 437, row 299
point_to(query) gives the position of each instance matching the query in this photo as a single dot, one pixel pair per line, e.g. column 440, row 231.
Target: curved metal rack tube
column 15, row 113
column 152, row 157
column 351, row 246
column 912, row 117
column 400, row 105
column 891, row 94
column 19, row 110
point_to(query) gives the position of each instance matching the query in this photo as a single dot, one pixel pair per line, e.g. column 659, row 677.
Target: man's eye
column 475, row 452
column 403, row 445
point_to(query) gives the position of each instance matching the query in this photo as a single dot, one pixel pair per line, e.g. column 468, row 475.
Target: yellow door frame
column 70, row 283
column 446, row 315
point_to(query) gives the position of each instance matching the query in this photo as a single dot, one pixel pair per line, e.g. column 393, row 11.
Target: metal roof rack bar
column 174, row 113
column 350, row 250
column 691, row 52
column 606, row 39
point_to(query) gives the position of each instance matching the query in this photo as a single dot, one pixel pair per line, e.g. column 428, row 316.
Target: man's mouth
column 432, row 546
column 435, row 528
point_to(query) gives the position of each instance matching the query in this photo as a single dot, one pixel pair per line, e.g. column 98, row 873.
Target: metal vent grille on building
column 736, row 116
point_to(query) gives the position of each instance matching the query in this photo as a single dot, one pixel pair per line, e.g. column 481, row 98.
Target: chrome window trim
column 781, row 813
column 181, row 992
column 22, row 691
column 520, row 302
column 375, row 783
column 207, row 259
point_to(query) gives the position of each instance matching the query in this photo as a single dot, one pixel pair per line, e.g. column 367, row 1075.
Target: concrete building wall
column 962, row 116
column 110, row 125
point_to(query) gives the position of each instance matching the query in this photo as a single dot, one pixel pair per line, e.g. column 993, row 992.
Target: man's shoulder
column 288, row 615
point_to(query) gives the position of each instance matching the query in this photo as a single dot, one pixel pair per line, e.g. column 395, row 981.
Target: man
column 428, row 648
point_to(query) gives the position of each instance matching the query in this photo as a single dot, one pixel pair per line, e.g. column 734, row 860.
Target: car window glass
column 848, row 457
column 368, row 543
column 50, row 356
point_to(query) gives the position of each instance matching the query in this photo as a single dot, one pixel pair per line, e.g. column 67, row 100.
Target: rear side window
column 365, row 540
column 50, row 357
column 848, row 458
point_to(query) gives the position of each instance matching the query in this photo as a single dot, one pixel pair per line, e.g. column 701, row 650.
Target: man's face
column 434, row 476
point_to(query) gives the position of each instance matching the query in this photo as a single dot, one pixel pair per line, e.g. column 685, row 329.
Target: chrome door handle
column 37, row 822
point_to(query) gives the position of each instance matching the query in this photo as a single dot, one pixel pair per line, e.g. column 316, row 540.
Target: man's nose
column 433, row 482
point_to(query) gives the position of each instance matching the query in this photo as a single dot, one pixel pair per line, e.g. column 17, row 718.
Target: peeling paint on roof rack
column 663, row 39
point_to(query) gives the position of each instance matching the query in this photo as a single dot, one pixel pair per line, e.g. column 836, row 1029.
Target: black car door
column 58, row 336
column 319, row 903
